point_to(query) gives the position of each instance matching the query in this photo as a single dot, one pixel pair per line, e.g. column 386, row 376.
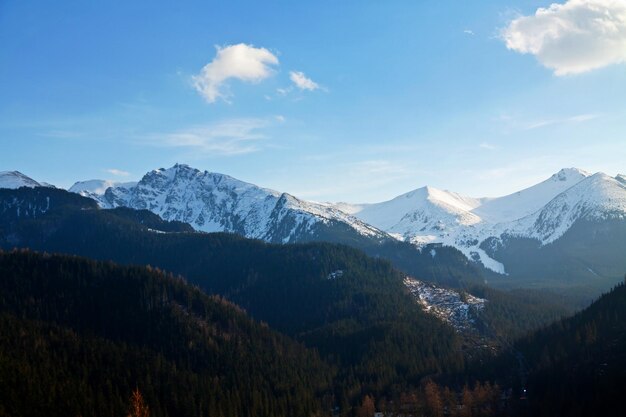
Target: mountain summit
column 15, row 179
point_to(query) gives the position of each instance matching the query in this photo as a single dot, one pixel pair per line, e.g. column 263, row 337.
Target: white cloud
column 241, row 61
column 118, row 172
column 487, row 146
column 302, row 81
column 573, row 37
column 230, row 137
column 284, row 91
column 572, row 119
column 469, row 32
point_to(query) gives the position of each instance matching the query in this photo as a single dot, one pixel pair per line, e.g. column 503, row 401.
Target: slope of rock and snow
column 530, row 200
column 457, row 309
column 597, row 197
column 96, row 188
column 15, row 179
column 544, row 211
column 213, row 202
column 421, row 215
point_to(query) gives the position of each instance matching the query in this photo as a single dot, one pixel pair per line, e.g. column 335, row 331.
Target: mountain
column 96, row 188
column 573, row 226
column 78, row 336
column 595, row 198
column 429, row 215
column 15, row 179
column 480, row 228
column 530, row 200
column 578, row 238
column 539, row 221
column 212, row 202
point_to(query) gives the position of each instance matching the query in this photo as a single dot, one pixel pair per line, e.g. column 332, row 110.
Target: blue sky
column 477, row 97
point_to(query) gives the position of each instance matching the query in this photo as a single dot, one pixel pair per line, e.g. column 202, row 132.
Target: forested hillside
column 77, row 336
column 577, row 366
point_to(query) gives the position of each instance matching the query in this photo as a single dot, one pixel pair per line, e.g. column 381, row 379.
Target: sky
column 354, row 101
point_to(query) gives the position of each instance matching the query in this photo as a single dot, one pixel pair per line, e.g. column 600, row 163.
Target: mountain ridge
column 217, row 202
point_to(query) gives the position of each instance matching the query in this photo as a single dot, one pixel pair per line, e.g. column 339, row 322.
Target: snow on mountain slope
column 544, row 211
column 597, row 197
column 96, row 188
column 529, row 200
column 15, row 179
column 426, row 209
column 453, row 307
column 213, row 202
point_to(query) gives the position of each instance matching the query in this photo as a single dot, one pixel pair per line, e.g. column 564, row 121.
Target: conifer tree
column 138, row 407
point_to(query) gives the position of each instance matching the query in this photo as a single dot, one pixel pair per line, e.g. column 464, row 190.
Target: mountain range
column 544, row 221
column 363, row 327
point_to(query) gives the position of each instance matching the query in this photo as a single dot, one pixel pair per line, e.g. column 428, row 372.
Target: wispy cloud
column 571, row 38
column 118, row 172
column 469, row 32
column 302, row 81
column 488, row 146
column 351, row 178
column 572, row 119
column 243, row 62
column 229, row 137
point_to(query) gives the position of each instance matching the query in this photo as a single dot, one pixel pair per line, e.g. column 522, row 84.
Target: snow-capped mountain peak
column 525, row 202
column 428, row 207
column 543, row 211
column 213, row 202
column 15, row 179
column 91, row 188
column 597, row 197
column 570, row 174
